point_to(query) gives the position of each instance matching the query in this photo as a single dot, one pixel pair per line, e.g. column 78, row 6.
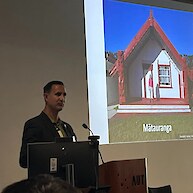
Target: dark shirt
column 40, row 129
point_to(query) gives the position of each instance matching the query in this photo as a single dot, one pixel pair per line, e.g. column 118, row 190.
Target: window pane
column 164, row 76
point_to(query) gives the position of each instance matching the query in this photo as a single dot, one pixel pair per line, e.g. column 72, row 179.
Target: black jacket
column 40, row 129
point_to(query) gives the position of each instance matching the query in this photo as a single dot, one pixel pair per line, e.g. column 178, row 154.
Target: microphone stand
column 95, row 143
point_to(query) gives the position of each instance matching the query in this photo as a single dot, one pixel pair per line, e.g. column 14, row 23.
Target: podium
column 75, row 162
column 125, row 176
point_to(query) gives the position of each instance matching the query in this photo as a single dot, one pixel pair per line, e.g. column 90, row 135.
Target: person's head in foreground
column 41, row 184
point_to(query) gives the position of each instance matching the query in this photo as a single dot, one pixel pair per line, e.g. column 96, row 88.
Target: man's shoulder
column 38, row 118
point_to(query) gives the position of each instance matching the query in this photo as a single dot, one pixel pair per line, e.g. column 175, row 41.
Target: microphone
column 86, row 127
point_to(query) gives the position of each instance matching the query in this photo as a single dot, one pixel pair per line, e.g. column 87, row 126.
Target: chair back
column 162, row 189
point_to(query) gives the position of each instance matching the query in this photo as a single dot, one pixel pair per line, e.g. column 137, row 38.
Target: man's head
column 44, row 183
column 54, row 95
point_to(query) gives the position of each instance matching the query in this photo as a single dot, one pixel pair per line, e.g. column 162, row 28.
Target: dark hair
column 48, row 184
column 17, row 187
column 44, row 183
column 48, row 86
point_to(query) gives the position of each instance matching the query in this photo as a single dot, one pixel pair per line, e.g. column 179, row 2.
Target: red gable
column 151, row 22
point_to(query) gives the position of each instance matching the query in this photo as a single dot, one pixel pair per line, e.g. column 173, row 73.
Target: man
column 41, row 184
column 47, row 126
column 151, row 87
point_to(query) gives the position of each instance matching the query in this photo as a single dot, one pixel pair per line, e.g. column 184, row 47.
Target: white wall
column 38, row 43
column 167, row 162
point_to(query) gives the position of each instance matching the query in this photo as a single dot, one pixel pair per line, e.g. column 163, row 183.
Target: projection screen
column 139, row 70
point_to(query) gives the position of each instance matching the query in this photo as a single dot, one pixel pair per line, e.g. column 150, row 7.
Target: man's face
column 55, row 98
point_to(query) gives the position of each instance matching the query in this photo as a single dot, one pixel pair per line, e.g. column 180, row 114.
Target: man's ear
column 45, row 96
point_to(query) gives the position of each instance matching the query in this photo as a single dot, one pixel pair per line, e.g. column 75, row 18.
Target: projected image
column 149, row 72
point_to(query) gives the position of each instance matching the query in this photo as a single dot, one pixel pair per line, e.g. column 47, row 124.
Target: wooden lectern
column 126, row 176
